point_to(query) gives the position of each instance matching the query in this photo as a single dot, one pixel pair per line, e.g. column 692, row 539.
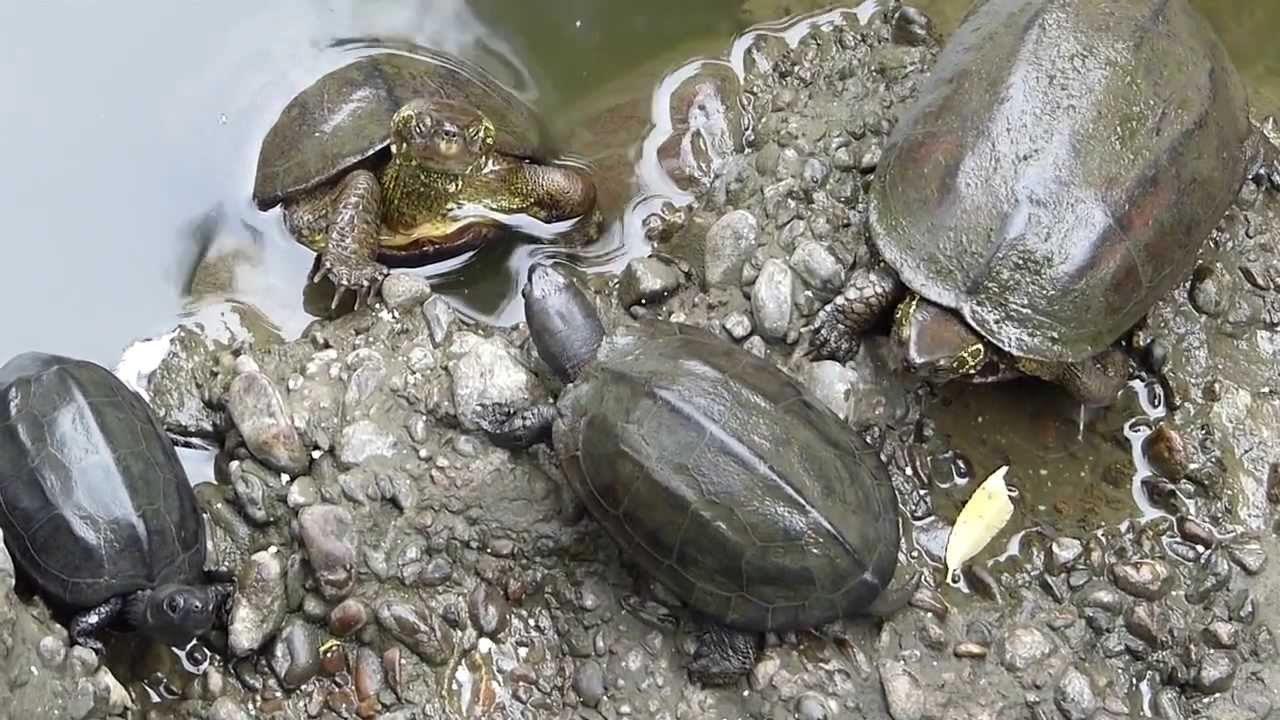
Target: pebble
column 1146, row 579
column 250, row 493
column 819, row 269
column 488, row 375
column 1143, row 622
column 348, row 617
column 1196, row 532
column 295, row 656
column 812, row 706
column 1216, row 672
column 302, row 492
column 646, row 281
column 1221, row 634
column 488, row 609
column 369, row 676
column 439, row 315
column 260, row 602
column 328, row 533
column 1063, row 552
column 756, row 346
column 729, row 242
column 1023, row 646
column 362, row 441
column 257, row 410
column 1074, row 696
column 7, row 577
column 588, row 682
column 771, row 300
column 1167, row 453
column 902, row 691
column 365, row 380
column 970, row 649
column 833, row 384
column 402, row 288
column 226, row 708
column 1249, row 557
column 737, row 324
column 762, row 673
column 428, row 637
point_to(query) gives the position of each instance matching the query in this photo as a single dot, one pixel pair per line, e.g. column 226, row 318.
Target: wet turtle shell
column 727, row 481
column 93, row 500
column 1061, row 168
column 345, row 117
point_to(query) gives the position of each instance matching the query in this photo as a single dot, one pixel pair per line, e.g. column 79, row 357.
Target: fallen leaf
column 987, row 511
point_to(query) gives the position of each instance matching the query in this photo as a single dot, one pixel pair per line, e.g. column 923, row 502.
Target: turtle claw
column 364, row 278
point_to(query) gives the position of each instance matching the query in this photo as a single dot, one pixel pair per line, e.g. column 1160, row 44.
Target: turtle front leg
column 1094, row 381
column 549, row 193
column 86, row 624
column 869, row 293
column 723, row 655
column 525, row 428
column 346, row 225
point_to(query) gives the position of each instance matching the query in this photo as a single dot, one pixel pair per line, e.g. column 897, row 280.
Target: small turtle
column 1058, row 173
column 721, row 477
column 399, row 160
column 95, row 507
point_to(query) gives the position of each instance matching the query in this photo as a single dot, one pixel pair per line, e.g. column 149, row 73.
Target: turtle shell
column 345, row 117
column 93, row 500
column 727, row 481
column 1061, row 168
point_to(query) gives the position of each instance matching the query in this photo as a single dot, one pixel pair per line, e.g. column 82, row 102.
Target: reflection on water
column 132, row 136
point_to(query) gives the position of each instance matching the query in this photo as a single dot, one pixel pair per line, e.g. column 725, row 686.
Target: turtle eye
column 173, row 604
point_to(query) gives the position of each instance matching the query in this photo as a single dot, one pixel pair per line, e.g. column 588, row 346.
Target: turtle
column 1056, row 175
column 96, row 509
column 724, row 479
column 397, row 160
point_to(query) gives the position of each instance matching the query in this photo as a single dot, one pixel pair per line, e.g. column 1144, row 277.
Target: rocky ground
column 393, row 563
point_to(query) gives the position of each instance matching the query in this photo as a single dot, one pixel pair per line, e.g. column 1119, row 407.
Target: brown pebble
column 391, row 669
column 524, row 674
column 1167, row 453
column 369, row 708
column 969, row 649
column 369, row 675
column 333, row 660
column 342, row 701
column 1273, row 484
column 348, row 617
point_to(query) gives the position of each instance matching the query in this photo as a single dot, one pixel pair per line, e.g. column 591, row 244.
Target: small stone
column 646, row 281
column 729, row 242
column 812, row 706
column 766, row 667
column 902, row 691
column 771, row 300
column 756, row 346
column 489, row 375
column 51, row 650
column 259, row 604
column 1221, row 634
column 328, row 533
column 362, row 441
column 1102, row 598
column 1215, row 673
column 819, row 269
column 7, row 577
column 1074, row 696
column 295, row 656
column 428, row 637
column 1249, row 557
column 1063, row 552
column 348, row 617
column 302, row 492
column 1143, row 622
column 402, row 288
column 588, row 682
column 737, row 324
column 437, row 572
column 1194, row 531
column 257, row 410
column 439, row 316
column 488, row 609
column 833, row 384
column 1167, row 453
column 969, row 649
column 369, row 676
column 1146, row 579
column 1024, row 646
column 226, row 708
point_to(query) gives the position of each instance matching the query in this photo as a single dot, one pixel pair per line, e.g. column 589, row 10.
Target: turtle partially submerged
column 96, row 509
column 1057, row 174
column 399, row 160
column 719, row 475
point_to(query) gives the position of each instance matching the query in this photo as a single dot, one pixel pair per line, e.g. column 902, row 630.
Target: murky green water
column 130, row 135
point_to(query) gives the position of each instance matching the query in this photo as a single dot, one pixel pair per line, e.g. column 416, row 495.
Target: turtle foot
column 869, row 293
column 348, row 273
column 723, row 656
column 518, row 430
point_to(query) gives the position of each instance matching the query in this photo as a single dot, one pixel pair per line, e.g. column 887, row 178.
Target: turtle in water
column 400, row 160
column 96, row 509
column 1024, row 218
column 722, row 477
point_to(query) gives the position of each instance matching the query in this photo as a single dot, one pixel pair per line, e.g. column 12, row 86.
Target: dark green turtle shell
column 345, row 117
column 1061, row 168
column 93, row 500
column 727, row 481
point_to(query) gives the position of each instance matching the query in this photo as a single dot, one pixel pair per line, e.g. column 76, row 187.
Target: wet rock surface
column 393, row 563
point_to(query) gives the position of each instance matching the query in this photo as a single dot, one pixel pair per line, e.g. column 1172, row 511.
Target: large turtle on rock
column 96, row 509
column 402, row 160
column 718, row 474
column 1057, row 174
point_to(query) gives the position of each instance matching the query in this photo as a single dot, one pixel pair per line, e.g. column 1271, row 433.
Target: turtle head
column 178, row 613
column 563, row 322
column 935, row 342
column 442, row 135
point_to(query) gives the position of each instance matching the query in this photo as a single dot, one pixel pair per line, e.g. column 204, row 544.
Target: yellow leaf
column 987, row 511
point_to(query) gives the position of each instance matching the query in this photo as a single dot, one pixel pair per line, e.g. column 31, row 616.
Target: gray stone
column 646, row 281
column 428, row 637
column 260, row 602
column 402, row 288
column 362, row 441
column 257, row 410
column 1216, row 672
column 328, row 533
column 737, row 324
column 771, row 300
column 440, row 316
column 1074, row 696
column 1023, row 646
column 832, row 383
column 6, row 567
column 588, row 682
column 1063, row 552
column 820, row 270
column 1146, row 579
column 487, row 375
column 902, row 691
column 295, row 656
column 730, row 241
